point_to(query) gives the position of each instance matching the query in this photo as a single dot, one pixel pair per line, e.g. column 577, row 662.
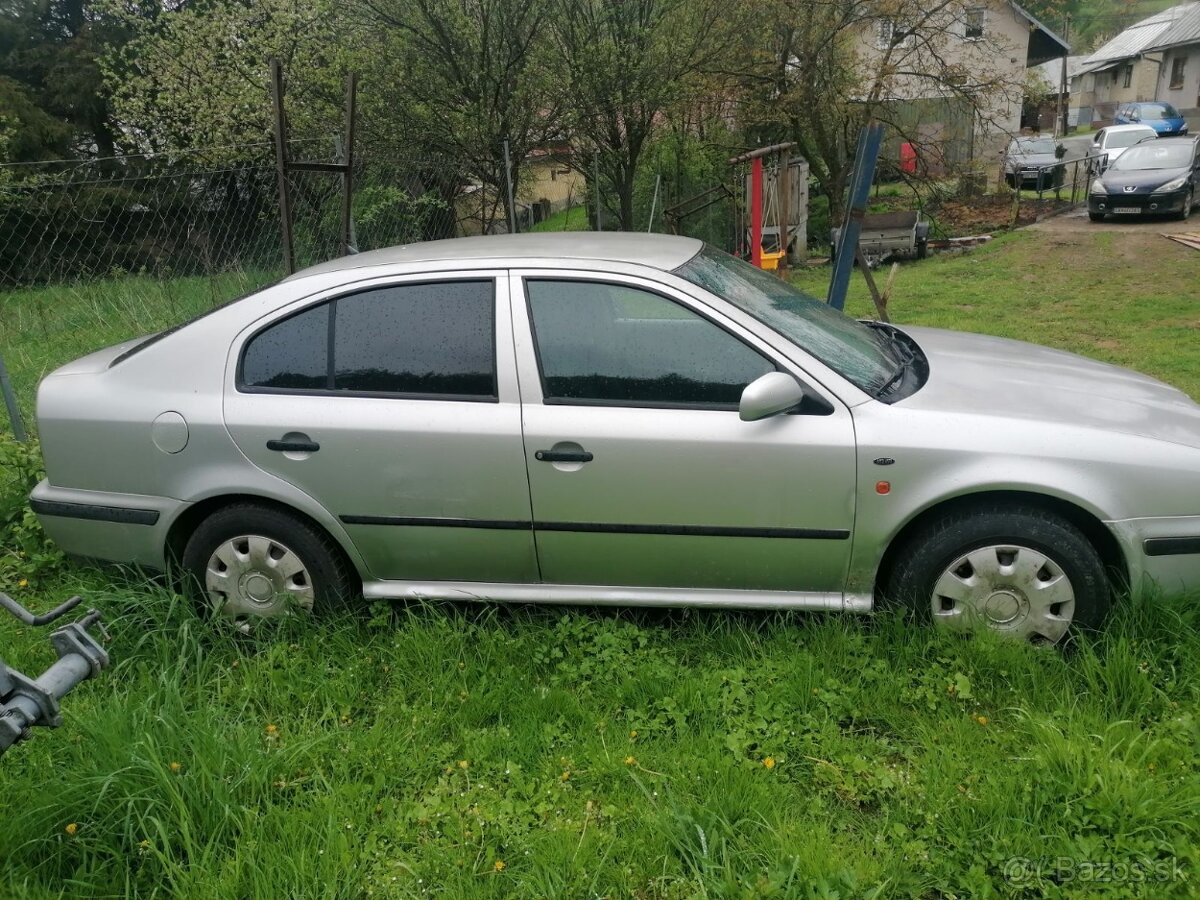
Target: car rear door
column 394, row 405
column 641, row 471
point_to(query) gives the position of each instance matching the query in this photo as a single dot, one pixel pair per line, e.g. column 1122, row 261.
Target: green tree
column 197, row 74
column 628, row 64
column 451, row 81
column 50, row 84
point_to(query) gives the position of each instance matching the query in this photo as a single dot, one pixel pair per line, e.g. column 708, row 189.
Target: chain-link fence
column 207, row 213
column 80, row 221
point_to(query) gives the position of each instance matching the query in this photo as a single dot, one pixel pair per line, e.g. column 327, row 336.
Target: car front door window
column 616, row 345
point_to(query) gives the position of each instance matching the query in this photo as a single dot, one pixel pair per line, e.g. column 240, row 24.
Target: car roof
column 1128, row 128
column 658, row 251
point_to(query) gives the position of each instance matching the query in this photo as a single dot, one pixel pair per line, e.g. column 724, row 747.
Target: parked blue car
column 1162, row 117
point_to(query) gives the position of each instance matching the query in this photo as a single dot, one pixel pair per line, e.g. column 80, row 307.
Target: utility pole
column 1064, row 113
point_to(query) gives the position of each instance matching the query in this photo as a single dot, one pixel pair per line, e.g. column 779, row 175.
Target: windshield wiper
column 899, row 351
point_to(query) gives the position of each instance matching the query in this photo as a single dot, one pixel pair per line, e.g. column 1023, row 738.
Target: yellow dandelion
column 769, row 762
column 71, row 829
column 633, row 734
column 630, row 761
column 272, row 730
column 499, row 865
column 176, row 767
column 982, row 720
column 144, row 845
column 565, row 776
column 23, row 583
column 463, row 764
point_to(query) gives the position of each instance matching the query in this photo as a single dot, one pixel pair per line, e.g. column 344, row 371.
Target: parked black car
column 1029, row 162
column 1155, row 177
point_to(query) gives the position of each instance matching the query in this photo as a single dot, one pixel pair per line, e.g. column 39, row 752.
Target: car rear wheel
column 1023, row 572
column 247, row 562
column 1096, row 217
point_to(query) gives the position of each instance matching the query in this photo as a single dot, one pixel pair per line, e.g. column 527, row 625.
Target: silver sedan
column 616, row 419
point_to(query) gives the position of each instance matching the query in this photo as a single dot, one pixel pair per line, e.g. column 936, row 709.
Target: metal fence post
column 285, row 206
column 348, row 175
column 596, row 186
column 512, row 209
column 653, row 203
column 10, row 400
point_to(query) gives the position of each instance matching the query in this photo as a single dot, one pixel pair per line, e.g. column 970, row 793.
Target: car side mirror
column 770, row 395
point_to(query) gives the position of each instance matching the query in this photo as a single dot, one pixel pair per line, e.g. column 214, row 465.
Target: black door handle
column 294, row 446
column 563, row 456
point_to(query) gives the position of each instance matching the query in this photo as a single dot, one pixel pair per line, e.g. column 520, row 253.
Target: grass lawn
column 476, row 750
column 574, row 218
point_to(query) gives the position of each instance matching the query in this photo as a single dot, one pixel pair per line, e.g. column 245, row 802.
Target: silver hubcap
column 253, row 577
column 1011, row 589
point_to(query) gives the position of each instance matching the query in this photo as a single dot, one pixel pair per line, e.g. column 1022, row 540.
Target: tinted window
column 616, row 344
column 292, row 354
column 417, row 339
column 403, row 339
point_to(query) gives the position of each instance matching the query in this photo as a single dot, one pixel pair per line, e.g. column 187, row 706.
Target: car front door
column 395, row 407
column 641, row 472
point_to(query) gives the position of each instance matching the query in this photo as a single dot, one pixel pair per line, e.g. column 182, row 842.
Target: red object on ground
column 908, row 158
column 756, row 184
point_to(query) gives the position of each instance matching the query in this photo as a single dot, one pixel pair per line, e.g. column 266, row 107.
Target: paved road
column 1077, row 145
column 1077, row 221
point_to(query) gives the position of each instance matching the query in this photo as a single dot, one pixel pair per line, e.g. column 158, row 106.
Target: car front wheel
column 1096, row 217
column 1188, row 201
column 248, row 562
column 1023, row 572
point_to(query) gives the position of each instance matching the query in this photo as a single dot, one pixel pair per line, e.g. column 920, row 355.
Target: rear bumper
column 1143, row 204
column 1164, row 552
column 122, row 528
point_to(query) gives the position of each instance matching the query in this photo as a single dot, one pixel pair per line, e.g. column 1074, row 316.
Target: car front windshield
column 1158, row 111
column 1153, row 156
column 1044, row 145
column 1127, row 138
column 855, row 351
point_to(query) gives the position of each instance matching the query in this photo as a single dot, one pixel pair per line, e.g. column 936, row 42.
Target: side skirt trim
column 611, row 595
column 121, row 514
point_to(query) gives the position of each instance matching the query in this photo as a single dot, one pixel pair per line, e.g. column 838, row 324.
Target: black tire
column 1096, row 217
column 1187, row 205
column 333, row 579
column 926, row 556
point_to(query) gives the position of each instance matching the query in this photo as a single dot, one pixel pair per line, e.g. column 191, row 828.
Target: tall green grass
column 595, row 753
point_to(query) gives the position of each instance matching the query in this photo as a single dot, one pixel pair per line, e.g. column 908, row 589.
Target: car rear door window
column 617, row 345
column 415, row 340
column 290, row 355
